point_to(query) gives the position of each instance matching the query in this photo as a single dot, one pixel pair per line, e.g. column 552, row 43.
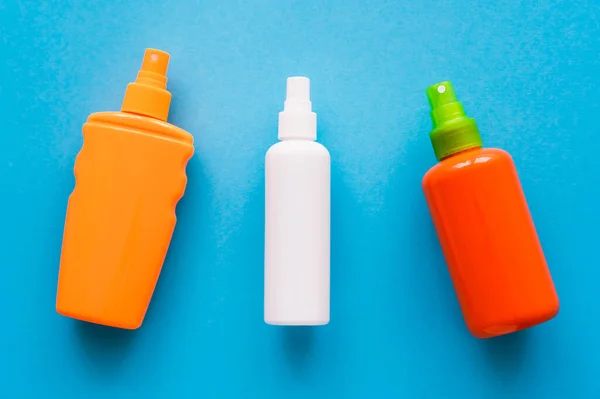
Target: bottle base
column 496, row 331
column 99, row 320
column 508, row 327
column 297, row 322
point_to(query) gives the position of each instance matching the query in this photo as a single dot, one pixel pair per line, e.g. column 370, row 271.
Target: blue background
column 527, row 71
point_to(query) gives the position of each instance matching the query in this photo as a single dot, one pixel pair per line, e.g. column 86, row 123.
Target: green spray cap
column 453, row 131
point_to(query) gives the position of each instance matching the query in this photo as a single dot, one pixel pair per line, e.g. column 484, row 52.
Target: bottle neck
column 455, row 154
column 300, row 138
column 454, row 137
column 297, row 126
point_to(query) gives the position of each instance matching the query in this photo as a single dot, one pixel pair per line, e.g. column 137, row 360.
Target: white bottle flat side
column 297, row 233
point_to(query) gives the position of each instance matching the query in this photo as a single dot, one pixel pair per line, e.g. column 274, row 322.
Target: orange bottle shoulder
column 142, row 123
column 476, row 159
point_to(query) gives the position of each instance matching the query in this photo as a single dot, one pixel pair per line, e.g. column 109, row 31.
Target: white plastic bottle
column 297, row 214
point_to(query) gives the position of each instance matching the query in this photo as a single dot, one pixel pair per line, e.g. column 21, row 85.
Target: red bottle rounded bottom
column 519, row 322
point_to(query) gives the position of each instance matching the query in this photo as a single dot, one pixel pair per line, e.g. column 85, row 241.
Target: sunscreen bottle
column 484, row 226
column 297, row 211
column 130, row 174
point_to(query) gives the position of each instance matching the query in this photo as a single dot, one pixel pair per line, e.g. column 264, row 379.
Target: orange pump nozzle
column 148, row 95
column 155, row 61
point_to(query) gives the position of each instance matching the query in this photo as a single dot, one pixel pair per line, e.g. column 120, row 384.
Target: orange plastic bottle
column 484, row 226
column 130, row 174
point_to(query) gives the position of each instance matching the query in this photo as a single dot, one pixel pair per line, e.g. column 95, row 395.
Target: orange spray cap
column 148, row 95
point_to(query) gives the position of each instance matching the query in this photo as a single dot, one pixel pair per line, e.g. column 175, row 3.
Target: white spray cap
column 297, row 121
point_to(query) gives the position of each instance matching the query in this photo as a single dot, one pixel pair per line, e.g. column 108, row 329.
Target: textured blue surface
column 527, row 71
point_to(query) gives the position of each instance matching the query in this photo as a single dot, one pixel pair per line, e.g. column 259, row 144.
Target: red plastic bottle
column 484, row 226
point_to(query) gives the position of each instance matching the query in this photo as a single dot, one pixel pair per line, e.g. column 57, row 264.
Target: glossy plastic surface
column 130, row 174
column 490, row 243
column 297, row 233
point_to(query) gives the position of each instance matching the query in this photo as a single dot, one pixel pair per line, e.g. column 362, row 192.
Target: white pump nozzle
column 297, row 93
column 297, row 121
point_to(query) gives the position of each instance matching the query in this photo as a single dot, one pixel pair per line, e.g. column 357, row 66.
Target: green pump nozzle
column 453, row 131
